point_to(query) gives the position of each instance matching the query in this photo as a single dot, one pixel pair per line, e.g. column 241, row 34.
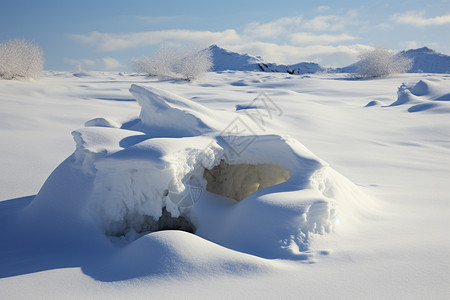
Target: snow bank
column 425, row 95
column 178, row 169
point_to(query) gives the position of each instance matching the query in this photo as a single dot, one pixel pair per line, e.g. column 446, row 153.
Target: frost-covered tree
column 381, row 62
column 173, row 63
column 20, row 59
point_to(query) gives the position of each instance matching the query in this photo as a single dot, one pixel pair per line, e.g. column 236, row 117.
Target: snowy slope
column 393, row 246
column 426, row 60
column 227, row 60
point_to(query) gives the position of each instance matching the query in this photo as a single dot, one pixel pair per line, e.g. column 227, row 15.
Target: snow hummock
column 102, row 122
column 164, row 172
column 433, row 95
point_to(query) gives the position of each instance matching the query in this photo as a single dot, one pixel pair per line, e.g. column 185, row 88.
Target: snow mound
column 177, row 168
column 425, row 95
column 374, row 103
column 102, row 122
column 156, row 253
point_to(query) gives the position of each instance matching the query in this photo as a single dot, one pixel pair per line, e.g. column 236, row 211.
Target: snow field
column 383, row 235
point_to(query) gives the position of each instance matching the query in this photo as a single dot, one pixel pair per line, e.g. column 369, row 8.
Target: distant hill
column 227, row 60
column 424, row 59
column 427, row 60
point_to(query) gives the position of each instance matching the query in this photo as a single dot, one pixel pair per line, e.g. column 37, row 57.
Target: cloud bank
column 324, row 38
column 417, row 18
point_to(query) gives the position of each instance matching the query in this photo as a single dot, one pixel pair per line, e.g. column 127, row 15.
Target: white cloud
column 80, row 64
column 275, row 28
column 331, row 22
column 288, row 25
column 256, row 38
column 84, row 64
column 322, row 8
column 416, row 18
column 110, row 63
column 410, row 44
column 121, row 41
column 308, row 38
column 383, row 26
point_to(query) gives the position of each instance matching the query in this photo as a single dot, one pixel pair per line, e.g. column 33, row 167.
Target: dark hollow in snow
column 167, row 222
column 240, row 180
column 149, row 224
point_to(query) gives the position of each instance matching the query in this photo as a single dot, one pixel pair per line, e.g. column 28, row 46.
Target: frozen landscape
column 280, row 185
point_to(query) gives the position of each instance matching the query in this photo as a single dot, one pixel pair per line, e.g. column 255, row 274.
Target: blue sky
column 104, row 35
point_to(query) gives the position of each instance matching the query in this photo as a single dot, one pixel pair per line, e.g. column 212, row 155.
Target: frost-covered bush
column 173, row 63
column 381, row 62
column 20, row 59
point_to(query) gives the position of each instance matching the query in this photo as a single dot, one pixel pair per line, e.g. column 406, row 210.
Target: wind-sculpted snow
column 178, row 168
column 432, row 95
column 56, row 245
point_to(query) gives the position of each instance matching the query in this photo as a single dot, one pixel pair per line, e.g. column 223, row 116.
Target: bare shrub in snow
column 174, row 64
column 20, row 59
column 381, row 62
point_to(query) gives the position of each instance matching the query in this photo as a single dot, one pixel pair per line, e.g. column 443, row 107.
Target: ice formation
column 176, row 168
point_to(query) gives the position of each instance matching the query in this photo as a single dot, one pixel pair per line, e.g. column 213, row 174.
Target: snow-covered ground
column 363, row 213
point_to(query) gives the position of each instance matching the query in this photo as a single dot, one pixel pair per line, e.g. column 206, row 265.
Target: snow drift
column 177, row 168
column 426, row 94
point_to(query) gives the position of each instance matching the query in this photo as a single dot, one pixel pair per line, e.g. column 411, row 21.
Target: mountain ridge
column 425, row 60
column 224, row 60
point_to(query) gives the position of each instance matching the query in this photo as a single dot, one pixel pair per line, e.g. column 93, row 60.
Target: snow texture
column 425, row 95
column 90, row 232
column 141, row 184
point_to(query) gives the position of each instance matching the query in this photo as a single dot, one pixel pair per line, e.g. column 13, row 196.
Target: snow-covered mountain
column 427, row 60
column 227, row 60
column 424, row 59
